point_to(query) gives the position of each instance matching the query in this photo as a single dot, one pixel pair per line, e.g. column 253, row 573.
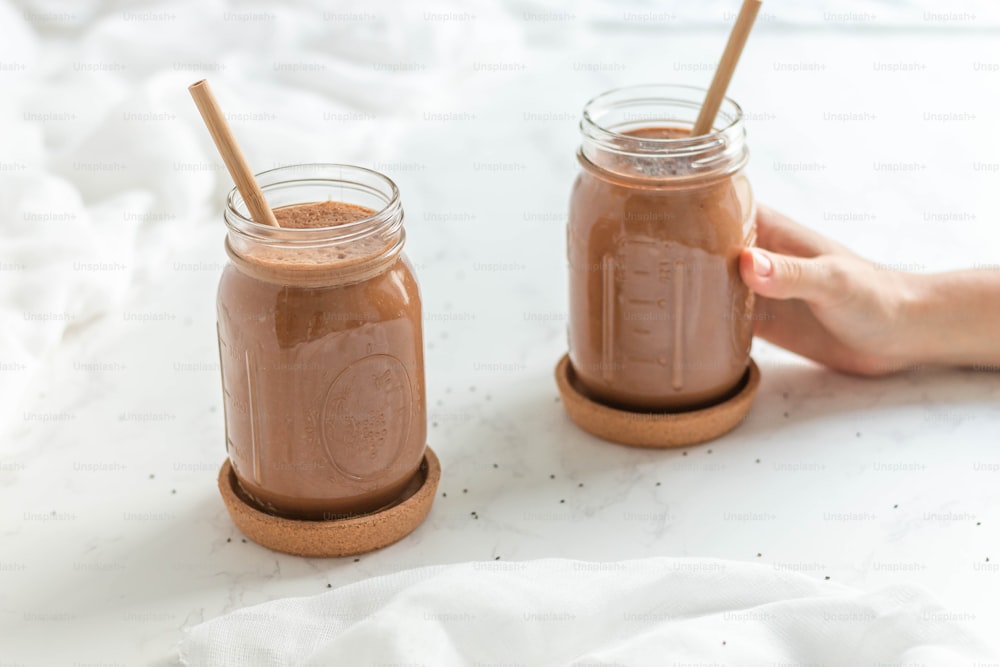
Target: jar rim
column 315, row 173
column 679, row 95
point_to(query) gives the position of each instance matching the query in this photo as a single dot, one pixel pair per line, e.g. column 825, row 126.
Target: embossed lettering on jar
column 320, row 339
column 659, row 317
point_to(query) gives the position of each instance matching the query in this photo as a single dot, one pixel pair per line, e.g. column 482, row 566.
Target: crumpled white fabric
column 106, row 168
column 656, row 611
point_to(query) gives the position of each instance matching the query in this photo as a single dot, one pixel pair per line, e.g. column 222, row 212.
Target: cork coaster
column 652, row 429
column 339, row 537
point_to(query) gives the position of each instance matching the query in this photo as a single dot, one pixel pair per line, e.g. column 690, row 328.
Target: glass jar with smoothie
column 320, row 339
column 660, row 320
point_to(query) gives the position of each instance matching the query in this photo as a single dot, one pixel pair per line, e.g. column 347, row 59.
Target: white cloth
column 107, row 169
column 657, row 611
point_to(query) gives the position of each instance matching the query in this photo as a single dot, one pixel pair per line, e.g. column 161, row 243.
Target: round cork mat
column 653, row 429
column 339, row 537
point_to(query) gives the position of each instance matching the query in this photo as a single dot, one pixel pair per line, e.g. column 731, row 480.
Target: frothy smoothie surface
column 320, row 214
column 275, row 262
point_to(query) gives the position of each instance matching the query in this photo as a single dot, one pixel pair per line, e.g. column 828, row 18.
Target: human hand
column 819, row 299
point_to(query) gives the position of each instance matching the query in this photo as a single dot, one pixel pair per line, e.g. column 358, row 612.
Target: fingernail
column 761, row 263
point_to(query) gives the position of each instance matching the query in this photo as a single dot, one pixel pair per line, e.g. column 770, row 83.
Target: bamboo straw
column 724, row 72
column 231, row 153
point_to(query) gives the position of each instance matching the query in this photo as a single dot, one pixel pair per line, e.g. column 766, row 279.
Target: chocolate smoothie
column 659, row 317
column 322, row 365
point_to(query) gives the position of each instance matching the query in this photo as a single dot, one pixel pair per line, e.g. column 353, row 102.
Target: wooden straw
column 231, row 153
column 724, row 72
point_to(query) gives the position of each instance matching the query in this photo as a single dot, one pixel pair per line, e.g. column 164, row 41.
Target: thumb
column 777, row 276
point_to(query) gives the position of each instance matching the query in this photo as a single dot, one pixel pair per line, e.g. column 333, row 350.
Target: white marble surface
column 114, row 538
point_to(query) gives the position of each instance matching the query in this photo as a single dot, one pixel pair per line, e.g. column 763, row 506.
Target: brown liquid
column 323, row 379
column 660, row 319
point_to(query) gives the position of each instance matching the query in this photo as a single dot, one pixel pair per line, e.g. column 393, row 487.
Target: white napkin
column 107, row 172
column 657, row 611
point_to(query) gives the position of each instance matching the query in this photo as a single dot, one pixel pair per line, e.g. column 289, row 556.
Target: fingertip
column 759, row 262
column 746, row 267
column 755, row 268
column 764, row 273
column 762, row 264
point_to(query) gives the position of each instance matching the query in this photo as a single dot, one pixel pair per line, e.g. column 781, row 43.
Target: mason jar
column 320, row 340
column 660, row 319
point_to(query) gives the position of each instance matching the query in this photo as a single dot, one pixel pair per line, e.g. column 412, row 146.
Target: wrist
column 951, row 320
column 919, row 321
